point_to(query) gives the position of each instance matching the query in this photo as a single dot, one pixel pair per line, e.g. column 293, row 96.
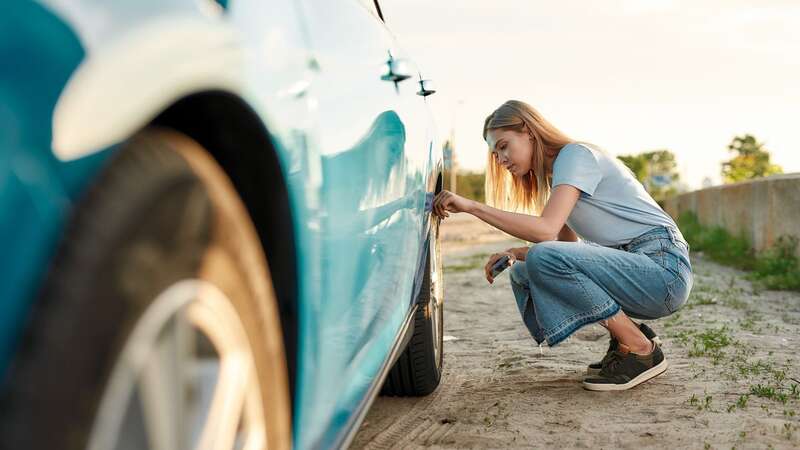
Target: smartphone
column 500, row 266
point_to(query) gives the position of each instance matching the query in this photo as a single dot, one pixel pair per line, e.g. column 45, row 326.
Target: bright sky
column 628, row 75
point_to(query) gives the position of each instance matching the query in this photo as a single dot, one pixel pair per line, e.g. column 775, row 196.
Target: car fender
column 121, row 86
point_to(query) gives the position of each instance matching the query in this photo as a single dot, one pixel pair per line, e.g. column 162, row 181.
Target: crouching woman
column 631, row 261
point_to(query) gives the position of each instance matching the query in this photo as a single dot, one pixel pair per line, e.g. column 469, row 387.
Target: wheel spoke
column 235, row 376
column 224, row 416
column 254, row 421
column 161, row 387
column 183, row 337
column 161, row 367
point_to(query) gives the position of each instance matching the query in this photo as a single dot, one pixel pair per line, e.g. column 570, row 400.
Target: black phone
column 500, row 265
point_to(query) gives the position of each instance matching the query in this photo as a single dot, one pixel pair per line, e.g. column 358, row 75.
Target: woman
column 632, row 262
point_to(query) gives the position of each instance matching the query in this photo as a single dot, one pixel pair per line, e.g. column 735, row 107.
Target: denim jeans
column 562, row 286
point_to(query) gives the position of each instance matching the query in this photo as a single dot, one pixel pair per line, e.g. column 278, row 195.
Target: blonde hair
column 530, row 192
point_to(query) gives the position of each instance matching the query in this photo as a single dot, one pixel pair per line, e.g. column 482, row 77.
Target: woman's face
column 513, row 150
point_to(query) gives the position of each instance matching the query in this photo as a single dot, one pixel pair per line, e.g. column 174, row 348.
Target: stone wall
column 761, row 209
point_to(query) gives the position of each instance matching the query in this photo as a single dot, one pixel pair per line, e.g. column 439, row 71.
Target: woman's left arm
column 527, row 227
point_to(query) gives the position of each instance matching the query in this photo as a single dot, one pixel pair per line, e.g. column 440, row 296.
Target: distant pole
column 453, row 180
column 453, row 161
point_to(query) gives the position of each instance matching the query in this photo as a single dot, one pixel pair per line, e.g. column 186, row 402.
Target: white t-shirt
column 613, row 206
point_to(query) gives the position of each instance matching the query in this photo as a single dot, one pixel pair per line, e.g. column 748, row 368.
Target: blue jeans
column 562, row 286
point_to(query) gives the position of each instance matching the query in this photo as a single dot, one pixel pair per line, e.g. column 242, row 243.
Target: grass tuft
column 777, row 267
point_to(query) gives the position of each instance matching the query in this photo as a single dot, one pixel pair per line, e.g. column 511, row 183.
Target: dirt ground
column 732, row 380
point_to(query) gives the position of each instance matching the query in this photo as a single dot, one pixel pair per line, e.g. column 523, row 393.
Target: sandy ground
column 732, row 381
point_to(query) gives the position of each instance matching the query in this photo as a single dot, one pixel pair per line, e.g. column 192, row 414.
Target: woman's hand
column 447, row 201
column 487, row 269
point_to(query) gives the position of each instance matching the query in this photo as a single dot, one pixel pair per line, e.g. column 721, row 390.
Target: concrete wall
column 761, row 209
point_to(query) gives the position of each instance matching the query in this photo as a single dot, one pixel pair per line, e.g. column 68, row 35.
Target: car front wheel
column 158, row 326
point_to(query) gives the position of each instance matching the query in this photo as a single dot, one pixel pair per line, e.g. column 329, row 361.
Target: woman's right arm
column 566, row 234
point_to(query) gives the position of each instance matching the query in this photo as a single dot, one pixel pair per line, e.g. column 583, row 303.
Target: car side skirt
column 401, row 341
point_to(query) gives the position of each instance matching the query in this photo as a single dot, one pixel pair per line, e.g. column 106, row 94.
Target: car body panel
column 374, row 156
column 39, row 53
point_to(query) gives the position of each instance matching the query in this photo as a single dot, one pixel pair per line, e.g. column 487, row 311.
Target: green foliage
column 742, row 402
column 770, row 392
column 469, row 185
column 777, row 267
column 774, row 268
column 652, row 169
column 711, row 343
column 717, row 242
column 750, row 161
column 471, row 263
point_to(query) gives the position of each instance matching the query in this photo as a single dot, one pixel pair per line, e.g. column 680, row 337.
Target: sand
column 732, row 349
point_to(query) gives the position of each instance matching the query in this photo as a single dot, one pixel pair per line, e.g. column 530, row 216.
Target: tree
column 751, row 160
column 469, row 184
column 656, row 170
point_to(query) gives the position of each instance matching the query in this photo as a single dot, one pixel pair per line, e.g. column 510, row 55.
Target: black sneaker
column 594, row 368
column 624, row 369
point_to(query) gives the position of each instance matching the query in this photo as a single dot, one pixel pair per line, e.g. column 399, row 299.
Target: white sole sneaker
column 641, row 378
column 594, row 372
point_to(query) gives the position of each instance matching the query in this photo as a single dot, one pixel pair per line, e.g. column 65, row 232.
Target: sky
column 628, row 75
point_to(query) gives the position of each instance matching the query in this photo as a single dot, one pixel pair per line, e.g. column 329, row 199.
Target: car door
column 422, row 148
column 368, row 212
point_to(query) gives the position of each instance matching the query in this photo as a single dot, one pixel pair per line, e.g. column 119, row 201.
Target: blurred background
column 688, row 94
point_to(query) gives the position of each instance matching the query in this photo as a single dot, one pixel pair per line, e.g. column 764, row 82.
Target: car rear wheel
column 158, row 327
column 418, row 369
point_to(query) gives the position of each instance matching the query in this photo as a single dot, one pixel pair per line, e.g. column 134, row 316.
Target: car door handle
column 426, row 88
column 396, row 70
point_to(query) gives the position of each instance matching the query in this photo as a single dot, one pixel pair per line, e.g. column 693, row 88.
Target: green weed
column 467, row 264
column 777, row 267
column 768, row 392
column 711, row 343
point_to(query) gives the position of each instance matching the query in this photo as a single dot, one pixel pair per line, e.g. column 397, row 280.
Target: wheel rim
column 437, row 292
column 157, row 382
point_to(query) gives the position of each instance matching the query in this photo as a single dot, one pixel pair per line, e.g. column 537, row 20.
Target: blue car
column 215, row 223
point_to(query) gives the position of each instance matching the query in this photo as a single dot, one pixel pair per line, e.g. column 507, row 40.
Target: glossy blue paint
column 375, row 156
column 36, row 191
column 357, row 152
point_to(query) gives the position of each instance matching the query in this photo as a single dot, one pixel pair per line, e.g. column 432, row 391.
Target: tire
column 418, row 370
column 160, row 281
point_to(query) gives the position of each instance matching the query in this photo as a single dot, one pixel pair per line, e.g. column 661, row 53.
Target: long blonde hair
column 530, row 192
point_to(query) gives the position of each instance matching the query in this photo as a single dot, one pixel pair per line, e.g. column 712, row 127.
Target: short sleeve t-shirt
column 613, row 206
